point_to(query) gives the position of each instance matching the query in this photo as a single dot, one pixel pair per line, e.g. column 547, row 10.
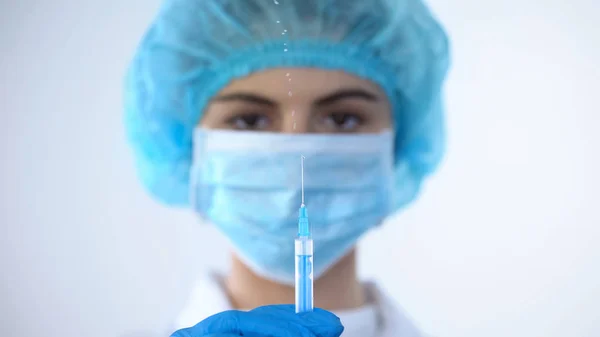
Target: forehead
column 302, row 83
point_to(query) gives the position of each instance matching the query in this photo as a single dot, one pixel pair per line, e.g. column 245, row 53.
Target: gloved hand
column 271, row 320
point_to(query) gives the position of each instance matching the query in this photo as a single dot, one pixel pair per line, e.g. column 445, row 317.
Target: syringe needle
column 302, row 169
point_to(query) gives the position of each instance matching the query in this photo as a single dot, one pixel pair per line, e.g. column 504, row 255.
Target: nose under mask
column 248, row 184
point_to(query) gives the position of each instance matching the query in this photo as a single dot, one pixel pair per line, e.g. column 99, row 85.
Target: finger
column 210, row 335
column 321, row 323
column 182, row 333
column 251, row 324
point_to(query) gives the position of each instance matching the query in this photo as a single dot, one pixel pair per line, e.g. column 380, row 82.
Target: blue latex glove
column 271, row 320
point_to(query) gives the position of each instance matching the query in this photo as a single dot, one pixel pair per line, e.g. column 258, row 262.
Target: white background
column 504, row 241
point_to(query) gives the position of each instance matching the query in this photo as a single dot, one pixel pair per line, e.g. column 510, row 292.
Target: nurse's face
column 299, row 100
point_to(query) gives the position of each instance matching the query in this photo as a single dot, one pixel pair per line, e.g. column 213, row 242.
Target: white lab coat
column 382, row 319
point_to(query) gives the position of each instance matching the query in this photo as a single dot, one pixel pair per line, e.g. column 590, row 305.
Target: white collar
column 208, row 298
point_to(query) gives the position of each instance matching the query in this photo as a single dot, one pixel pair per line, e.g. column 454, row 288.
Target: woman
column 223, row 98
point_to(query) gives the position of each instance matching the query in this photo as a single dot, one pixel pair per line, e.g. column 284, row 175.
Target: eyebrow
column 346, row 94
column 247, row 97
column 326, row 100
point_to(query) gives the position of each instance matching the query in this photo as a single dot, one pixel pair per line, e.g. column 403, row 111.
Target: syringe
column 304, row 257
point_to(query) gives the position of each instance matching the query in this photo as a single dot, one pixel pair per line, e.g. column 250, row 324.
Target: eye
column 343, row 122
column 249, row 122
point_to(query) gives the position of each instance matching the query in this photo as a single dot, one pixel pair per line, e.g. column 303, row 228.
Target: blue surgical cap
column 194, row 48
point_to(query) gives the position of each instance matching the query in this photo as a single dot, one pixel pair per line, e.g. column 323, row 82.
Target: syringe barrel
column 304, row 274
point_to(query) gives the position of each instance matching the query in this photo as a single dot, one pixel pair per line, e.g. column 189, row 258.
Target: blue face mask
column 248, row 185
